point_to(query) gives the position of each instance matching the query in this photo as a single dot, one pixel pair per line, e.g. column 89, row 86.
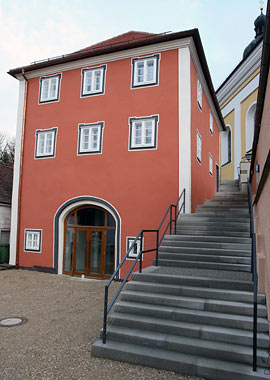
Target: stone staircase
column 193, row 314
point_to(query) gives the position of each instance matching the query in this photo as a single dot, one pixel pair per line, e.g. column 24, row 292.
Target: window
column 199, row 147
column 5, row 236
column 210, row 164
column 143, row 132
column 45, row 143
column 199, row 93
column 226, row 146
column 145, row 71
column 32, row 240
column 136, row 249
column 49, row 88
column 90, row 138
column 211, row 123
column 93, row 81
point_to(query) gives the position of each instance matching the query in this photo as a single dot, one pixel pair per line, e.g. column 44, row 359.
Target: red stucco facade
column 141, row 184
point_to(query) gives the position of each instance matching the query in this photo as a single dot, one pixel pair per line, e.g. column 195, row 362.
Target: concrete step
column 190, row 218
column 231, row 195
column 195, row 316
column 186, row 345
column 188, row 329
column 194, row 303
column 203, row 273
column 220, row 210
column 165, row 255
column 208, row 221
column 192, row 291
column 204, row 226
column 214, row 239
column 226, row 204
column 220, row 215
column 172, row 361
column 208, row 248
column 206, row 282
column 202, row 232
column 204, row 265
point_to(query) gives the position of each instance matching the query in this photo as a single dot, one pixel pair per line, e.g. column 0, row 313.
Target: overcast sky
column 31, row 30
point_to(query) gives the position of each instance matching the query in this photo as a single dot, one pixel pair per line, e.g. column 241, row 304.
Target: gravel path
column 64, row 316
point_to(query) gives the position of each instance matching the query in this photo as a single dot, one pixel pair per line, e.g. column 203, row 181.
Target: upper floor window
column 199, row 93
column 45, row 143
column 90, row 138
column 49, row 88
column 143, row 132
column 32, row 240
column 211, row 123
column 145, row 71
column 199, row 147
column 93, row 81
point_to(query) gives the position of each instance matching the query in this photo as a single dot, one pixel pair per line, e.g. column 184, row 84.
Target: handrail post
column 255, row 285
column 184, row 207
column 175, row 207
column 105, row 315
column 157, row 246
column 170, row 219
column 141, row 239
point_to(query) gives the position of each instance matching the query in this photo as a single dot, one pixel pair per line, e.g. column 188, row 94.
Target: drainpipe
column 21, row 163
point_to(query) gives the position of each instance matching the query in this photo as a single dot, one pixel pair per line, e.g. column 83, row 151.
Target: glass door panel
column 95, row 251
column 109, row 256
column 68, row 249
column 80, row 250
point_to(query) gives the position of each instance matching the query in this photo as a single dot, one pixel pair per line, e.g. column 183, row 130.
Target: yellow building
column 237, row 98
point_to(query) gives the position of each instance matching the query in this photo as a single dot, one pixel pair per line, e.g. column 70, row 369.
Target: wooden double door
column 89, row 249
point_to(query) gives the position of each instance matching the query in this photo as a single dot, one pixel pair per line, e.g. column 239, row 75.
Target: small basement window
column 199, row 147
column 32, row 240
column 210, row 164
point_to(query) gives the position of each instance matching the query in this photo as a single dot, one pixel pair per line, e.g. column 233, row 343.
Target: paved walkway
column 64, row 316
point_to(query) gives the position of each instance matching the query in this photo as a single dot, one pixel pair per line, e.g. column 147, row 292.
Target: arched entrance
column 89, row 242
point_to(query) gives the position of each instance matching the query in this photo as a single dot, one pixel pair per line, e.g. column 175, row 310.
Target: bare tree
column 7, row 149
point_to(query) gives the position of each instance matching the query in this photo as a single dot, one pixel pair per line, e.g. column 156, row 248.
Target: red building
column 107, row 138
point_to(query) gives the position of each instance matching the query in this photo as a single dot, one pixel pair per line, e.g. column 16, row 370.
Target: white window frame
column 132, row 255
column 199, row 93
column 46, row 133
column 211, row 121
column 135, row 71
column 210, row 164
column 135, row 121
column 199, row 147
column 33, row 244
column 90, row 127
column 49, row 98
column 93, row 71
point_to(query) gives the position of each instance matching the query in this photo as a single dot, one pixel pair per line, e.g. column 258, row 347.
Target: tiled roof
column 6, row 178
column 118, row 40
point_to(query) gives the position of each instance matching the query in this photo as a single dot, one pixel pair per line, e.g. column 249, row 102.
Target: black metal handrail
column 139, row 238
column 254, row 277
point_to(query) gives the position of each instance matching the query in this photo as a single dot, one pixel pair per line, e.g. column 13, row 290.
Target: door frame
column 59, row 219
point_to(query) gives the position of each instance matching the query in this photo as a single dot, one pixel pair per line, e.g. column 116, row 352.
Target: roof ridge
column 104, row 43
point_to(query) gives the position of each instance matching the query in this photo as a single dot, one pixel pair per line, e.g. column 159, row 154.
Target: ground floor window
column 89, row 246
